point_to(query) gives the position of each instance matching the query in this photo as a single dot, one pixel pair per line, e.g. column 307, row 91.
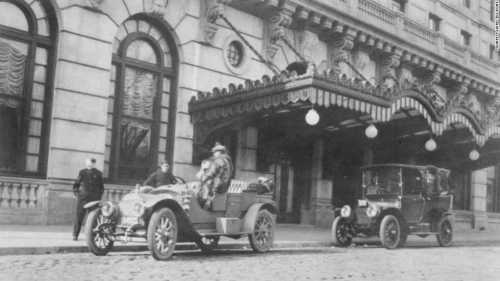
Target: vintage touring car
column 398, row 200
column 170, row 214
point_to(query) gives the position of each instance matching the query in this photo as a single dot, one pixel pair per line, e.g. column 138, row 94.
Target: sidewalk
column 30, row 239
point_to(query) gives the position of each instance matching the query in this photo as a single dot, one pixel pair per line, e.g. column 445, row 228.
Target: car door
column 412, row 201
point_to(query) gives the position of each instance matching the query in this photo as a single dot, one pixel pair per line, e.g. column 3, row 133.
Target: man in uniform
column 88, row 187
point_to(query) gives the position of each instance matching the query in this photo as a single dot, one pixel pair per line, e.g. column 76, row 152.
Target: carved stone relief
column 156, row 6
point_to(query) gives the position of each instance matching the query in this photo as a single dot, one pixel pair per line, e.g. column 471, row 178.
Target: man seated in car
column 215, row 175
column 162, row 176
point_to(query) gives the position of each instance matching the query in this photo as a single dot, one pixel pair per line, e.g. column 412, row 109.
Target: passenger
column 215, row 175
column 162, row 176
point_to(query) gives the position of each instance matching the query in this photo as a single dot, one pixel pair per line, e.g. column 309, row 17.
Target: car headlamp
column 372, row 211
column 108, row 209
column 345, row 211
column 139, row 209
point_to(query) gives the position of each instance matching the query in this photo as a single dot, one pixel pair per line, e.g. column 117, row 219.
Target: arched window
column 27, row 36
column 141, row 103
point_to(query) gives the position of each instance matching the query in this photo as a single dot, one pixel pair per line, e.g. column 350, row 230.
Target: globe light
column 474, row 155
column 430, row 145
column 312, row 117
column 371, row 131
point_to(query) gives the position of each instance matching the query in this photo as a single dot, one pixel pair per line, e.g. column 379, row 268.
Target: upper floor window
column 26, row 49
column 434, row 22
column 398, row 5
column 492, row 52
column 466, row 37
column 141, row 104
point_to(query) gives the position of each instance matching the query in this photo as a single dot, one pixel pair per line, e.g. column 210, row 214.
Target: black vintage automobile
column 398, row 200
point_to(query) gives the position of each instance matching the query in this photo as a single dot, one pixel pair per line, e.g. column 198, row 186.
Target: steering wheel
column 179, row 179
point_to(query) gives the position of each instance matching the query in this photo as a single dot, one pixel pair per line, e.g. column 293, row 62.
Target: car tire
column 162, row 234
column 262, row 237
column 341, row 235
column 445, row 232
column 98, row 242
column 390, row 232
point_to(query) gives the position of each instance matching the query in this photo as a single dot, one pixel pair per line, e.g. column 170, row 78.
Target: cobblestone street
column 359, row 263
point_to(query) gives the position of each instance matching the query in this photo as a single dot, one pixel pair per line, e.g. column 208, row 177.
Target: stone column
column 478, row 200
column 321, row 190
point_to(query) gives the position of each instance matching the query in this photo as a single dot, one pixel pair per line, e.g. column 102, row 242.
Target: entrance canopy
column 220, row 108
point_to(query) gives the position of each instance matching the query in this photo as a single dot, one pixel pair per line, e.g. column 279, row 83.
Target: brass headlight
column 372, row 211
column 345, row 212
column 108, row 209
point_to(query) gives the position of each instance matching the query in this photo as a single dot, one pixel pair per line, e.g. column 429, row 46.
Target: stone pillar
column 321, row 190
column 478, row 200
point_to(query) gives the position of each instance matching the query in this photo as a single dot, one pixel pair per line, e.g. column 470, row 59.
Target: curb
column 141, row 248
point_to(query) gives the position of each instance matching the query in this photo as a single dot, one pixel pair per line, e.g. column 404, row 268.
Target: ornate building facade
column 305, row 92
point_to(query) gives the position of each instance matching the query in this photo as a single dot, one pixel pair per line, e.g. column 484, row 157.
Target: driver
column 162, row 176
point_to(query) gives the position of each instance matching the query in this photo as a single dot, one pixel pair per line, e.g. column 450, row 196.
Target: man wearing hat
column 215, row 175
column 89, row 186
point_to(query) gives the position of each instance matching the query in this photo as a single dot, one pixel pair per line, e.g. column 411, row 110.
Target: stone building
column 302, row 91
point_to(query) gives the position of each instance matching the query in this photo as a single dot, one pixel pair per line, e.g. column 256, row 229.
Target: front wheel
column 445, row 235
column 262, row 237
column 98, row 233
column 341, row 234
column 162, row 234
column 390, row 232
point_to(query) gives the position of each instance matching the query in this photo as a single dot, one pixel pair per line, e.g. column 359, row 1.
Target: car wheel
column 341, row 234
column 162, row 234
column 262, row 237
column 445, row 235
column 98, row 233
column 390, row 232
column 208, row 244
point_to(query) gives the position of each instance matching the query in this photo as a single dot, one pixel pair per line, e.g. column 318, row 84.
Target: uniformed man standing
column 88, row 187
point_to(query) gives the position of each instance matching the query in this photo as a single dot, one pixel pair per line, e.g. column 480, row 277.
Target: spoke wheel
column 262, row 238
column 390, row 232
column 445, row 236
column 341, row 232
column 208, row 244
column 98, row 233
column 162, row 234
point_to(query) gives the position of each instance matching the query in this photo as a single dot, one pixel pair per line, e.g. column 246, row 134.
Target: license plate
column 362, row 203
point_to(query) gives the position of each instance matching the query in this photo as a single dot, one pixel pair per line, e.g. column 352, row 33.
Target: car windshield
column 382, row 181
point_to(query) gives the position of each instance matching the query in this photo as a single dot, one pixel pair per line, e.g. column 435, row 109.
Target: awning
column 221, row 107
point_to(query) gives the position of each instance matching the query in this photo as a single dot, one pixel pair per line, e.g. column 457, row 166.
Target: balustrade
column 19, row 195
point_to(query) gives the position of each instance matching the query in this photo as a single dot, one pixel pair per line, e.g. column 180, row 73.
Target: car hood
column 382, row 204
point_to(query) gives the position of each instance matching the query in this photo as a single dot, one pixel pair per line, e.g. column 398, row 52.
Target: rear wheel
column 341, row 234
column 98, row 233
column 162, row 234
column 390, row 232
column 445, row 228
column 262, row 237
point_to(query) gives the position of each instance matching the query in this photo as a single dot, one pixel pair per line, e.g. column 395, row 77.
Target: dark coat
column 89, row 184
column 159, row 178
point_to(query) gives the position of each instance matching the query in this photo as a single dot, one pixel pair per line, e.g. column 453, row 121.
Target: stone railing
column 419, row 30
column 20, row 195
column 376, row 10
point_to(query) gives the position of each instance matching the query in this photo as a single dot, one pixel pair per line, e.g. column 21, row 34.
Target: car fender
column 251, row 215
column 92, row 205
column 392, row 211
